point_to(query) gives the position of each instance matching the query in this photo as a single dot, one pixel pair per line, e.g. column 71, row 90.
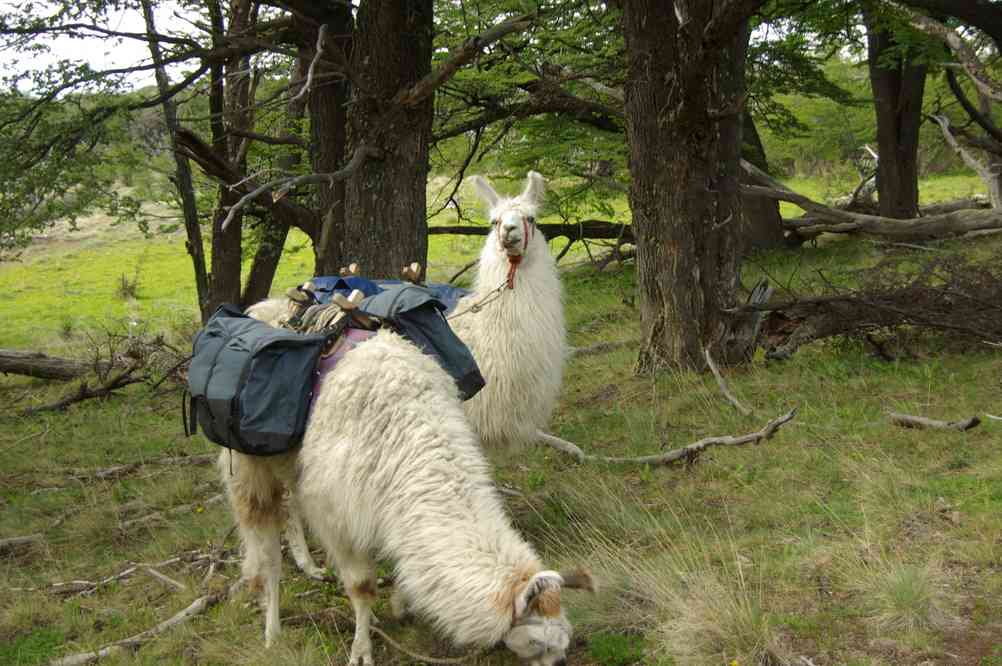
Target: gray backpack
column 251, row 384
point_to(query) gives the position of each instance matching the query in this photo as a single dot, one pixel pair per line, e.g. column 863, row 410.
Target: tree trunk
column 385, row 227
column 182, row 172
column 897, row 95
column 224, row 285
column 684, row 130
column 273, row 234
column 329, row 135
column 763, row 228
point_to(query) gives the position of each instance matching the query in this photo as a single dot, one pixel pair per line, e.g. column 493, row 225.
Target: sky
column 99, row 53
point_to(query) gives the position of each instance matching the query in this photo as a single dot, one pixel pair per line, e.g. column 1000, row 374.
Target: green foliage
column 610, row 649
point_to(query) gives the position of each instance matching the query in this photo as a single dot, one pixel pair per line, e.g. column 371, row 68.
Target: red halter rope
column 515, row 259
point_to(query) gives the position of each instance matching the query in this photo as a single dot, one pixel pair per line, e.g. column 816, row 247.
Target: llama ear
column 535, row 185
column 579, row 579
column 486, row 193
column 544, row 580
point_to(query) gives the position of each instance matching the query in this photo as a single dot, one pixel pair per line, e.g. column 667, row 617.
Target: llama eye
column 530, row 220
column 496, row 221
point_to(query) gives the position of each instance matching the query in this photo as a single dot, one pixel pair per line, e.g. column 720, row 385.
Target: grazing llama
column 390, row 467
column 519, row 339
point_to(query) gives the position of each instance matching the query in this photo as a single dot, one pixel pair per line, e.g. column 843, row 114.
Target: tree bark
column 182, row 171
column 224, row 285
column 329, row 136
column 385, row 227
column 683, row 111
column 897, row 94
column 763, row 223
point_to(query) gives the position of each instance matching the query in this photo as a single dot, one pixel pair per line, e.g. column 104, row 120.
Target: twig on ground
column 723, row 385
column 197, row 607
column 686, row 453
column 993, row 417
column 908, row 421
column 14, row 544
column 173, row 511
column 117, row 471
column 165, row 579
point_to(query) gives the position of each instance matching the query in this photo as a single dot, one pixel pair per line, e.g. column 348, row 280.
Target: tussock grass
column 698, row 600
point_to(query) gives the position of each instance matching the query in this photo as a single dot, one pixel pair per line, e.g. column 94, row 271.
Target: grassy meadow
column 843, row 540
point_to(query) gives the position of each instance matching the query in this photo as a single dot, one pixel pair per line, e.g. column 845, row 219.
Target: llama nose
column 560, row 662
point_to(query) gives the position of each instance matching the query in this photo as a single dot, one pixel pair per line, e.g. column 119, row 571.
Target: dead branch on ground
column 84, row 392
column 687, row 454
column 909, row 421
column 946, row 293
column 21, row 543
column 195, row 608
column 157, row 516
column 723, row 385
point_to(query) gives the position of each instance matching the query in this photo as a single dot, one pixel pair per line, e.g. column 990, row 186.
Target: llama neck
column 461, row 561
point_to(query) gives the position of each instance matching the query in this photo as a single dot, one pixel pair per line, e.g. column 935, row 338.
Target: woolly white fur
column 519, row 340
column 390, row 466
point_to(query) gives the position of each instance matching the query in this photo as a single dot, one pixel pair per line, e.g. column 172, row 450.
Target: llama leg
column 263, row 568
column 359, row 575
column 255, row 495
column 296, row 537
column 398, row 604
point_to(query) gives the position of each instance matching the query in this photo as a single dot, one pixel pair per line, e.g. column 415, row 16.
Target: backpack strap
column 189, row 415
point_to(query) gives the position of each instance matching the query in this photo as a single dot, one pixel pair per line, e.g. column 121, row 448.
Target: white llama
column 519, row 339
column 390, row 467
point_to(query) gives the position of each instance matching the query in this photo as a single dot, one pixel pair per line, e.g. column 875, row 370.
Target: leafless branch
column 283, row 185
column 319, row 50
column 464, row 54
column 972, row 65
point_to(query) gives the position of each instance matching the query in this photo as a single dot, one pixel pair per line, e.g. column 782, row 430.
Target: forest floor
column 843, row 540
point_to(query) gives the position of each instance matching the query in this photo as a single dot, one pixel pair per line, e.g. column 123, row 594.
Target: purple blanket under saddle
column 351, row 338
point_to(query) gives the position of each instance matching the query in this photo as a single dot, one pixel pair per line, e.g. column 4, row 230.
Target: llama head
column 541, row 633
column 513, row 218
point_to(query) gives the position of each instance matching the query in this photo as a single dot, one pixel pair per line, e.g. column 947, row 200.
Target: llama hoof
column 315, row 572
column 361, row 657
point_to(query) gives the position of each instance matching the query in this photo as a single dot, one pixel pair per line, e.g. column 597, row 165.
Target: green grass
column 845, row 538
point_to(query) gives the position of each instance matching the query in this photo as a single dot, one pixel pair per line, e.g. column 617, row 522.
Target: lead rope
column 489, row 297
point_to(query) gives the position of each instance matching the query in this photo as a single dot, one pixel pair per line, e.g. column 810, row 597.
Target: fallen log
column 909, row 421
column 584, row 230
column 42, row 366
column 16, row 544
